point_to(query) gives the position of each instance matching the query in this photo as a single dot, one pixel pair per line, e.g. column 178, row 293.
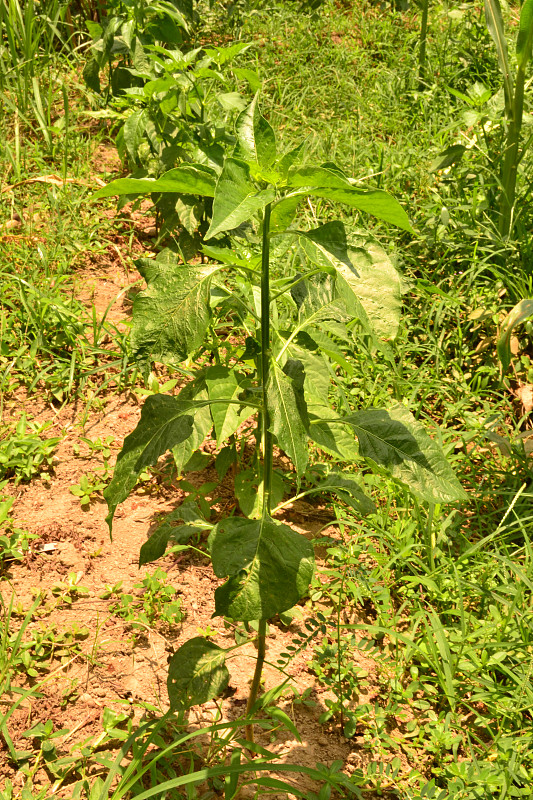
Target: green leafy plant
column 287, row 290
column 14, row 541
column 89, row 487
column 25, row 454
column 154, row 602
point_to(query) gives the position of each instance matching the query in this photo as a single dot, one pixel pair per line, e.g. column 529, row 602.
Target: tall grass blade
column 493, row 17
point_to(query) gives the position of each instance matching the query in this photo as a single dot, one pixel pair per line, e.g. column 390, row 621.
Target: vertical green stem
column 266, row 443
column 256, row 681
column 423, row 41
column 511, row 159
column 266, row 436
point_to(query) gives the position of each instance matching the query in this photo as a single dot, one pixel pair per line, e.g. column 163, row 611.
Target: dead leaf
column 525, row 395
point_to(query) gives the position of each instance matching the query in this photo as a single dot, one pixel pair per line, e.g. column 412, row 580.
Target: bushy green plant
column 294, row 298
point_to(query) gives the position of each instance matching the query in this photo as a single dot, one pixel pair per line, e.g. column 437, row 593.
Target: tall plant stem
column 423, row 42
column 256, row 681
column 511, row 158
column 266, row 444
column 266, row 436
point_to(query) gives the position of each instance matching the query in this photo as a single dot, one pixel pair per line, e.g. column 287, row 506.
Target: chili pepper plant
column 277, row 309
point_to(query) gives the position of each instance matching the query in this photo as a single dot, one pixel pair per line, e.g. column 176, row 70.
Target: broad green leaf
column 366, row 279
column 525, row 34
column 287, row 411
column 347, row 489
column 452, row 155
column 268, row 564
column 248, row 492
column 134, row 129
column 283, row 213
column 328, row 245
column 325, row 430
column 165, row 421
column 395, row 441
column 317, row 303
column 197, row 673
column 318, row 177
column 327, row 346
column 331, row 185
column 171, row 316
column 494, row 20
column 190, row 179
column 91, row 75
column 377, row 287
column 202, row 423
column 248, row 75
column 287, row 161
column 226, row 384
column 191, row 523
column 236, row 198
column 522, row 311
column 256, row 138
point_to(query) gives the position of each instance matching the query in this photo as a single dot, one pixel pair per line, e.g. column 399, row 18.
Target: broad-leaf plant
column 269, row 319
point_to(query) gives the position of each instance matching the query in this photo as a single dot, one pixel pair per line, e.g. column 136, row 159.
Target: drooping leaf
column 347, row 489
column 270, row 567
column 256, row 138
column 192, row 523
column 165, row 422
column 494, row 20
column 332, row 185
column 366, row 279
column 202, row 423
column 327, row 245
column 196, row 179
column 287, row 411
column 326, row 430
column 377, row 287
column 226, row 384
column 197, row 673
column 134, row 129
column 236, row 198
column 171, row 316
column 91, row 75
column 283, row 213
column 396, row 442
column 522, row 311
column 248, row 491
column 525, row 34
column 452, row 155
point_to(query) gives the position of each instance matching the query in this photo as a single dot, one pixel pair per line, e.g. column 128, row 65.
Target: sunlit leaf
column 395, row 441
column 236, row 198
column 197, row 673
